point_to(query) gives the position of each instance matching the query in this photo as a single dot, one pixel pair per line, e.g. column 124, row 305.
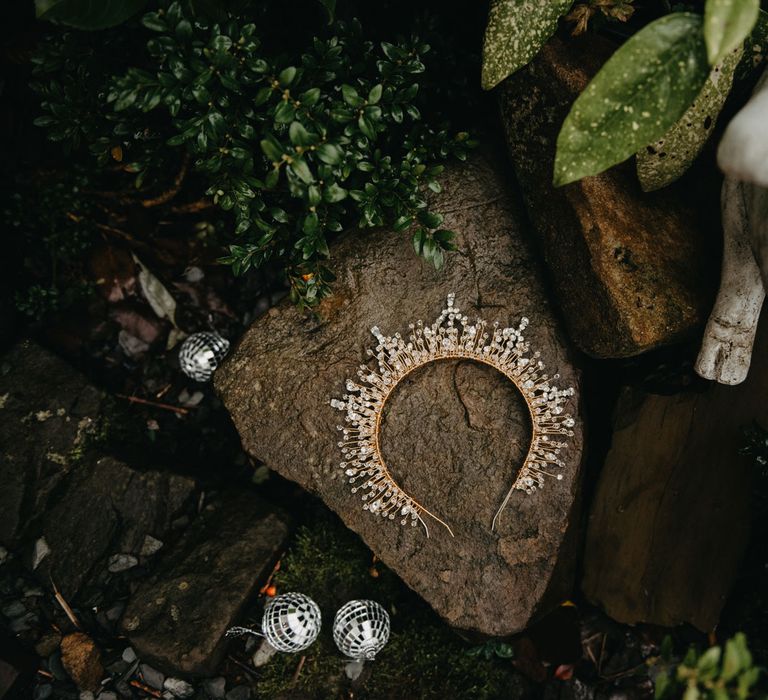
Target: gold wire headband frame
column 450, row 337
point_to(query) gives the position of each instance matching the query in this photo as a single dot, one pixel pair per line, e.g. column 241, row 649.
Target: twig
column 298, row 668
column 268, row 583
column 64, row 605
column 154, row 404
column 115, row 231
column 44, row 673
column 242, row 665
column 192, row 207
column 602, row 652
column 169, row 194
column 163, row 391
column 145, row 688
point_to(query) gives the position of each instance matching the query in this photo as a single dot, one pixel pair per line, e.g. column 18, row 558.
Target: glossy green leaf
column 300, row 167
column 329, row 153
column 641, row 91
column 664, row 161
column 515, row 32
column 87, row 14
column 726, row 24
column 272, row 149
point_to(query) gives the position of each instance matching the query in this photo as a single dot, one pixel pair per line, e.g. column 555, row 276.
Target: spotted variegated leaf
column 516, row 30
column 726, row 24
column 641, row 91
column 665, row 160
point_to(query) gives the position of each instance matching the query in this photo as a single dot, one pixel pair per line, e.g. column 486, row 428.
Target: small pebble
column 23, row 623
column 39, row 552
column 124, row 689
column 42, row 692
column 129, row 655
column 121, row 562
column 263, row 654
column 107, row 695
column 14, row 609
column 241, row 692
column 47, row 644
column 151, row 546
column 215, row 687
column 56, row 667
column 115, row 612
column 152, row 676
column 86, row 695
column 179, row 688
column 353, row 669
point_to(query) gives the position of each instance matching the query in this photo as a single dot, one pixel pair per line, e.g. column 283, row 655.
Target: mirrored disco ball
column 361, row 629
column 291, row 622
column 201, row 353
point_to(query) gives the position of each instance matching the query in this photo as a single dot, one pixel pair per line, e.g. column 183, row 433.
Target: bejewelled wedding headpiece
column 450, row 337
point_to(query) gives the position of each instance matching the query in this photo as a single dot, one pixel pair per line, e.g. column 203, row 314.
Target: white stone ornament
column 291, row 623
column 361, row 629
column 452, row 336
column 201, row 354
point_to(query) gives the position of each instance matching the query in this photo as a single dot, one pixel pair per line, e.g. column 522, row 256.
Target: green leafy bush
column 297, row 144
column 716, row 674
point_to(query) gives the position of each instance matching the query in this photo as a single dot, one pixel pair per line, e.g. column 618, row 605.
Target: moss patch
column 424, row 657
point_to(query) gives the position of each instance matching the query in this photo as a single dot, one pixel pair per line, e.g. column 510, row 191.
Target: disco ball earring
column 291, row 623
column 201, row 354
column 452, row 336
column 361, row 629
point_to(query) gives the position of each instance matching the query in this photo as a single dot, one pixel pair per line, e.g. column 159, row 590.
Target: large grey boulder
column 454, row 433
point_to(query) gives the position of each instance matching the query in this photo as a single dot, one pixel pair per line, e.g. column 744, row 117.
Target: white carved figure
column 726, row 349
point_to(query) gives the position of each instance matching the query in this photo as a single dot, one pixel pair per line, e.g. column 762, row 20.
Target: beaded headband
column 450, row 337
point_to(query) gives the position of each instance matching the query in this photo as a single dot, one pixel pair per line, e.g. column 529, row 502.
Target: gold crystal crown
column 450, row 337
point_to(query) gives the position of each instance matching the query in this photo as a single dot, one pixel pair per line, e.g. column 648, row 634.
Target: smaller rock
column 263, row 654
column 47, row 644
column 124, row 689
column 353, row 669
column 121, row 562
column 107, row 695
column 86, row 695
column 23, row 623
column 14, row 609
column 42, row 692
column 39, row 552
column 241, row 692
column 114, row 613
column 152, row 676
column 56, row 667
column 34, row 592
column 129, row 655
column 215, row 687
column 82, row 661
column 179, row 688
column 151, row 546
column 117, row 668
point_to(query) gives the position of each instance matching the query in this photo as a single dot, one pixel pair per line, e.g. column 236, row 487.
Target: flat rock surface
column 454, row 433
column 46, row 411
column 177, row 618
column 107, row 508
column 670, row 519
column 632, row 271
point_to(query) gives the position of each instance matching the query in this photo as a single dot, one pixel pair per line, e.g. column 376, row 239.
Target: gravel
column 179, row 688
column 121, row 562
